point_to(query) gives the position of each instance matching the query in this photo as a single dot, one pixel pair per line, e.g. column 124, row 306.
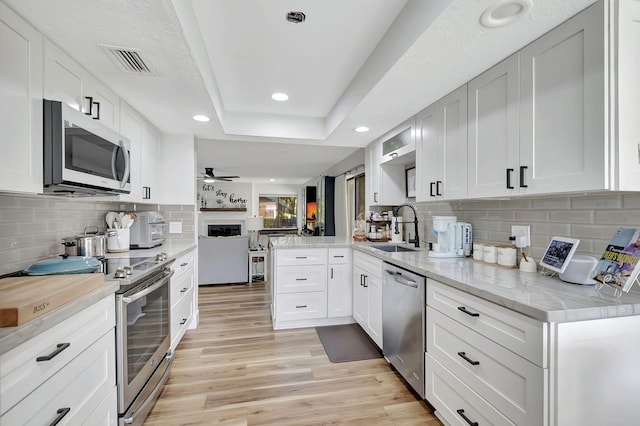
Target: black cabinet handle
column 147, row 193
column 300, row 306
column 331, row 273
column 431, row 189
column 522, row 170
column 183, row 321
column 60, row 415
column 438, row 182
column 90, row 99
column 464, row 356
column 184, row 264
column 335, row 256
column 361, row 279
column 375, row 197
column 301, row 257
column 97, row 116
column 509, row 171
column 466, row 419
column 301, row 279
column 184, row 289
column 59, row 348
column 365, row 280
column 471, row 314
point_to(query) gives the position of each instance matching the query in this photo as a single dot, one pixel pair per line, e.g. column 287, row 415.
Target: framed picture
column 410, row 175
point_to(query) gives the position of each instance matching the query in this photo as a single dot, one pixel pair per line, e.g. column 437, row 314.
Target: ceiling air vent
column 296, row 17
column 128, row 60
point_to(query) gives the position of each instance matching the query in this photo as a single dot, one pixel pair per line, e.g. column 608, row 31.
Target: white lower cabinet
column 309, row 287
column 494, row 355
column 367, row 294
column 67, row 373
column 182, row 297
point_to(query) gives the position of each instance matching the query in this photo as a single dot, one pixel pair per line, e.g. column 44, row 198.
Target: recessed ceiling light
column 504, row 13
column 280, row 97
column 199, row 117
column 272, row 180
column 361, row 129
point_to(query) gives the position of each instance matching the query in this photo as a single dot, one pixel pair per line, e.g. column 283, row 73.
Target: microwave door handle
column 127, row 169
column 148, row 290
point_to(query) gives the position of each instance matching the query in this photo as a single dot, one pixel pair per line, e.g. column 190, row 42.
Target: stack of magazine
column 618, row 267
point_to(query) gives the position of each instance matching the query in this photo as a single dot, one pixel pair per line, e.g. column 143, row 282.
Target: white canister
column 478, row 251
column 507, row 255
column 528, row 265
column 118, row 240
column 490, row 253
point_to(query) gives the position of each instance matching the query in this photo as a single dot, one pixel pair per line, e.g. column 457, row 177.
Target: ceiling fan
column 209, row 177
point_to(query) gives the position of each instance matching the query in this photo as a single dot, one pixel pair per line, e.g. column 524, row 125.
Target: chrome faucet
column 416, row 240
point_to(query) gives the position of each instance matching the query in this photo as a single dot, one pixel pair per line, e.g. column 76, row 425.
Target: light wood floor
column 235, row 370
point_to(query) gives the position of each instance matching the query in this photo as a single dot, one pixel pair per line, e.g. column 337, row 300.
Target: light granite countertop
column 11, row 337
column 530, row 293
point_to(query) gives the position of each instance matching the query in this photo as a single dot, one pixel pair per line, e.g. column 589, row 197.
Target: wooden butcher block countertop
column 23, row 299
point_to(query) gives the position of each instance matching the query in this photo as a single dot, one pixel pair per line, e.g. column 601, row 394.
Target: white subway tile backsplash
column 501, row 215
column 631, row 201
column 597, row 202
column 532, row 216
column 551, row 229
column 517, row 204
column 619, row 217
column 550, row 203
column 572, row 216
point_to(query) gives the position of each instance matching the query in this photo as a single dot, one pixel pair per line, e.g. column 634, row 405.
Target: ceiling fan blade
column 227, row 177
column 224, row 179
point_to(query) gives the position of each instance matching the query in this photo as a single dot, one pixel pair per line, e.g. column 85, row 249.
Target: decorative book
column 618, row 267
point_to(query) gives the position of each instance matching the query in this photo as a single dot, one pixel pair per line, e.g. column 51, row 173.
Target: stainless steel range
column 143, row 338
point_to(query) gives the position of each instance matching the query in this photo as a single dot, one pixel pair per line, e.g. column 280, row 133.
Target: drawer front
column 181, row 285
column 372, row 265
column 183, row 263
column 452, row 399
column 181, row 315
column 297, row 306
column 516, row 332
column 105, row 414
column 338, row 256
column 301, row 257
column 293, row 279
column 81, row 386
column 21, row 373
column 509, row 382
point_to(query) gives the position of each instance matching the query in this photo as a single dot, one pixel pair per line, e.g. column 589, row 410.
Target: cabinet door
column 21, row 100
column 372, row 173
column 131, row 127
column 562, row 107
column 177, row 159
column 63, row 77
column 360, row 302
column 452, row 138
column 149, row 165
column 428, row 156
column 374, row 298
column 339, row 299
column 494, row 139
column 106, row 104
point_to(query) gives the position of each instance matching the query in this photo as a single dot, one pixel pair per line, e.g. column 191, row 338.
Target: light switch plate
column 175, row 227
column 522, row 231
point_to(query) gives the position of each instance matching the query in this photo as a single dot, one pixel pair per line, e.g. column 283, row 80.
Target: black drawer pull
column 301, row 257
column 301, row 279
column 59, row 348
column 337, row 256
column 361, row 280
column 183, row 321
column 331, row 273
column 509, row 186
column 438, row 187
column 431, row 189
column 464, row 356
column 471, row 314
column 60, row 415
column 522, row 184
column 466, row 419
column 184, row 289
column 184, row 264
column 300, row 306
column 365, row 281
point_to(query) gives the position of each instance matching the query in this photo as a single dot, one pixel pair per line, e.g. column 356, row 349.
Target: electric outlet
column 522, row 231
column 175, row 227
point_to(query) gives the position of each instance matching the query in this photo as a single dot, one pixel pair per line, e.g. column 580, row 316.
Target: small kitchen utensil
column 64, row 265
column 110, row 218
column 127, row 221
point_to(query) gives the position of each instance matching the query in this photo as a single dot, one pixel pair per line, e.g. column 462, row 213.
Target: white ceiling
column 352, row 63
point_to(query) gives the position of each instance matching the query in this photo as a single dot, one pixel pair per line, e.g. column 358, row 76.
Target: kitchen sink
column 392, row 247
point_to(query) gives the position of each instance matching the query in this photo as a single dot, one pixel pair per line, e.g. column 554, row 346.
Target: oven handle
column 149, row 289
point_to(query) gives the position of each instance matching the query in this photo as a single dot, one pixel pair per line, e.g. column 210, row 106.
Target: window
column 279, row 211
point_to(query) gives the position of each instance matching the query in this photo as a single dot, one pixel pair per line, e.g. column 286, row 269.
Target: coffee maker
column 454, row 238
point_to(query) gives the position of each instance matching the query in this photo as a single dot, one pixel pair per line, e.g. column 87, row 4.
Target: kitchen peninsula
column 547, row 351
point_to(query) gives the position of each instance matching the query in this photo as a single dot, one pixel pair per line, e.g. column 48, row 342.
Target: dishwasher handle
column 397, row 277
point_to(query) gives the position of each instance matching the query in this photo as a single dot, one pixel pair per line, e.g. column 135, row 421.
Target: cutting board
column 25, row 298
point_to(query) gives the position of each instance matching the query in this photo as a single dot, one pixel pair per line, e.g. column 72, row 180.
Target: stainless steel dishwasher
column 403, row 310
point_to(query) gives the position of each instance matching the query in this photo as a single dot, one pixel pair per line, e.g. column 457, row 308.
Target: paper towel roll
column 396, row 238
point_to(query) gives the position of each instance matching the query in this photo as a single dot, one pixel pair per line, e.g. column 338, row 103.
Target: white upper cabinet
column 441, row 152
column 65, row 80
column 563, row 144
column 149, row 164
column 21, row 105
column 131, row 127
column 494, row 141
column 400, row 144
column 177, row 180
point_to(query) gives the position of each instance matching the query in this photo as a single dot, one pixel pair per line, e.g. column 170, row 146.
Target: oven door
column 143, row 326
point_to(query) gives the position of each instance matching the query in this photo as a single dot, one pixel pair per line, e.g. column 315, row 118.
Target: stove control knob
column 128, row 270
column 161, row 256
column 119, row 273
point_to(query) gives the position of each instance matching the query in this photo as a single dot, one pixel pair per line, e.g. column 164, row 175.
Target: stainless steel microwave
column 82, row 156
